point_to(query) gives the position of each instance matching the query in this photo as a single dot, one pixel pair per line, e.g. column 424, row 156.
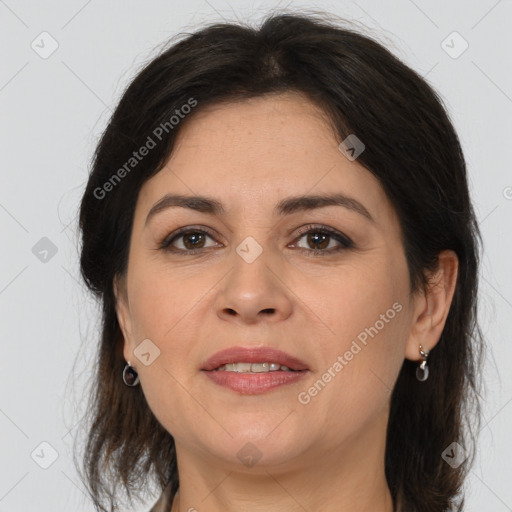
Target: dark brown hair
column 411, row 147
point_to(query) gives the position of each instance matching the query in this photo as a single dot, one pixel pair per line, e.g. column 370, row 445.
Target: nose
column 254, row 292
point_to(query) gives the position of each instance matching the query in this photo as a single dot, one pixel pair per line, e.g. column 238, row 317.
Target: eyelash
column 346, row 243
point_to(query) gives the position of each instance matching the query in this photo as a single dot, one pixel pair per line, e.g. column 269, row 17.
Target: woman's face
column 249, row 276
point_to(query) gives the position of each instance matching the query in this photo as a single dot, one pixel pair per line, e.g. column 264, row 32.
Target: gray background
column 53, row 110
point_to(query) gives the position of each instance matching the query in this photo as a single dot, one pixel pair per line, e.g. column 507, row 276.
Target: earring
column 422, row 369
column 130, row 376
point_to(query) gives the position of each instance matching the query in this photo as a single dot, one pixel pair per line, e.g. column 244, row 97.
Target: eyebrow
column 286, row 206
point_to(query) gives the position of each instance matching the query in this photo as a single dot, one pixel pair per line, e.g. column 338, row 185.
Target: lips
column 253, row 355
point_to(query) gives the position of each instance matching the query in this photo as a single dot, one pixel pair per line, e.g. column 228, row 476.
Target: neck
column 350, row 477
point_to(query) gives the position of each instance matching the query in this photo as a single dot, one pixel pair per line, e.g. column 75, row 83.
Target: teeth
column 253, row 367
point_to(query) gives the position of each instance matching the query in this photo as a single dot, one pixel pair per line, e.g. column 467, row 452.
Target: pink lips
column 254, row 383
column 253, row 355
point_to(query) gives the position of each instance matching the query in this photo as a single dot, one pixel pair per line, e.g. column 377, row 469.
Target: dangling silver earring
column 422, row 369
column 130, row 376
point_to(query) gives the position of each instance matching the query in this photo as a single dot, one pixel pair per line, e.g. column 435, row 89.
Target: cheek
column 361, row 318
column 348, row 303
column 162, row 307
column 161, row 300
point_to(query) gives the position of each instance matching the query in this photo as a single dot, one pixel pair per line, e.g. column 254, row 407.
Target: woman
column 278, row 226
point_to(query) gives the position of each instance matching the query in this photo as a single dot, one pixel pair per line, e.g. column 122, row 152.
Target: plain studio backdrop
column 63, row 68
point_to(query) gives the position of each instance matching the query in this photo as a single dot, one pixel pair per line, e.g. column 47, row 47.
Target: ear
column 123, row 315
column 431, row 308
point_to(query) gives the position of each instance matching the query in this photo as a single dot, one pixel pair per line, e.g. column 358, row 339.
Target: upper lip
column 253, row 355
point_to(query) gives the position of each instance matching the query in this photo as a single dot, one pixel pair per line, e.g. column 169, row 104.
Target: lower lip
column 254, row 383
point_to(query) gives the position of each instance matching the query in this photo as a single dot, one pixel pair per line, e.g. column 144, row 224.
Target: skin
column 327, row 454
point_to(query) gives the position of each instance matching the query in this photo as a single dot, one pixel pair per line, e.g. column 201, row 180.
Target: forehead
column 255, row 151
column 257, row 131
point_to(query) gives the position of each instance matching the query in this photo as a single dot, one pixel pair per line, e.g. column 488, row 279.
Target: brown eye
column 323, row 240
column 318, row 240
column 193, row 240
column 186, row 241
